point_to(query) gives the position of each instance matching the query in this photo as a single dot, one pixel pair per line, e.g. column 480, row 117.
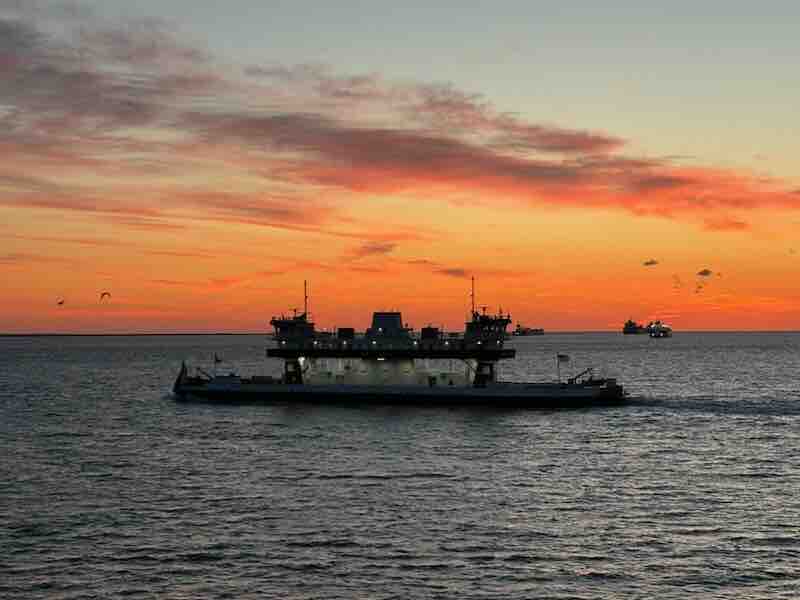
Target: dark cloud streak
column 453, row 272
column 375, row 248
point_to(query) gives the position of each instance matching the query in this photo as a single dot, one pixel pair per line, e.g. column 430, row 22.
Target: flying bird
column 650, row 263
column 105, row 295
column 60, row 302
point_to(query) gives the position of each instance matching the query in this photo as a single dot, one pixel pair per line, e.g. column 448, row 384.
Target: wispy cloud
column 438, row 107
column 374, row 248
column 180, row 254
column 725, row 224
column 453, row 272
column 24, row 258
column 219, row 284
column 128, row 99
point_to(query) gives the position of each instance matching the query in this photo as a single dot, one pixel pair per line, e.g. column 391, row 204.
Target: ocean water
column 110, row 488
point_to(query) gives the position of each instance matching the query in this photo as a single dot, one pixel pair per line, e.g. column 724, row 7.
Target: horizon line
column 253, row 333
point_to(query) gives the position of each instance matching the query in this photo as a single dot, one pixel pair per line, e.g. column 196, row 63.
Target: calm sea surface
column 110, row 488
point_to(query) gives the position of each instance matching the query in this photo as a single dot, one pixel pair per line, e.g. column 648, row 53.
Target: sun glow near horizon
column 202, row 191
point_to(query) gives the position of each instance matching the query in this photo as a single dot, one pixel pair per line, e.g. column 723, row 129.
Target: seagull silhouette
column 105, row 295
column 60, row 302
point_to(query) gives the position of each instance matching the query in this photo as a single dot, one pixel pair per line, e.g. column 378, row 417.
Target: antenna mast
column 305, row 297
column 472, row 295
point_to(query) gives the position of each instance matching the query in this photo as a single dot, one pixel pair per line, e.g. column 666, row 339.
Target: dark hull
column 543, row 396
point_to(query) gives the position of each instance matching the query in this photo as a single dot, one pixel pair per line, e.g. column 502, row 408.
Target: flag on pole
column 562, row 358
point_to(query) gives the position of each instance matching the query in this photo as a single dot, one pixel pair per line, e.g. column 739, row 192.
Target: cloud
column 374, row 248
column 135, row 98
column 65, row 10
column 94, row 80
column 145, row 42
column 725, row 224
column 218, row 283
column 22, row 258
column 255, row 208
column 126, row 215
column 653, row 183
column 705, row 273
column 180, row 254
column 370, row 160
column 365, row 269
column 143, row 223
column 66, row 240
column 440, row 107
column 650, row 263
column 16, row 183
column 453, row 272
column 174, row 282
column 374, row 160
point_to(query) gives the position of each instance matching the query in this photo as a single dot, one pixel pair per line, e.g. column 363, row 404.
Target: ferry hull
column 538, row 395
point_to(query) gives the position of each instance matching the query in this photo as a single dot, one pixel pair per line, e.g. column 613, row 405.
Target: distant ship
column 523, row 331
column 632, row 327
column 657, row 329
column 389, row 362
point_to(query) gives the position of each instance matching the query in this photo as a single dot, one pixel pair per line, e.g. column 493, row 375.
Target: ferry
column 520, row 330
column 391, row 363
column 657, row 329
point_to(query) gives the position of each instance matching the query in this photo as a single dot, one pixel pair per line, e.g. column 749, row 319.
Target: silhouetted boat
column 524, row 331
column 632, row 327
column 390, row 363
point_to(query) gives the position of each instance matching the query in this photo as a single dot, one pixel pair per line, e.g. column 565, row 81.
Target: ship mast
column 305, row 297
column 472, row 295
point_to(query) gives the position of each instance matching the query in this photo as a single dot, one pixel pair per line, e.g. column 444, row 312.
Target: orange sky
column 201, row 194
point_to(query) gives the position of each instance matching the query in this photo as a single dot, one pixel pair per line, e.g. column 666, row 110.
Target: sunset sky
column 586, row 163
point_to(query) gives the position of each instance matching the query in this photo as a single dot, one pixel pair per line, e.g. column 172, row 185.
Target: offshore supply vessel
column 390, row 363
